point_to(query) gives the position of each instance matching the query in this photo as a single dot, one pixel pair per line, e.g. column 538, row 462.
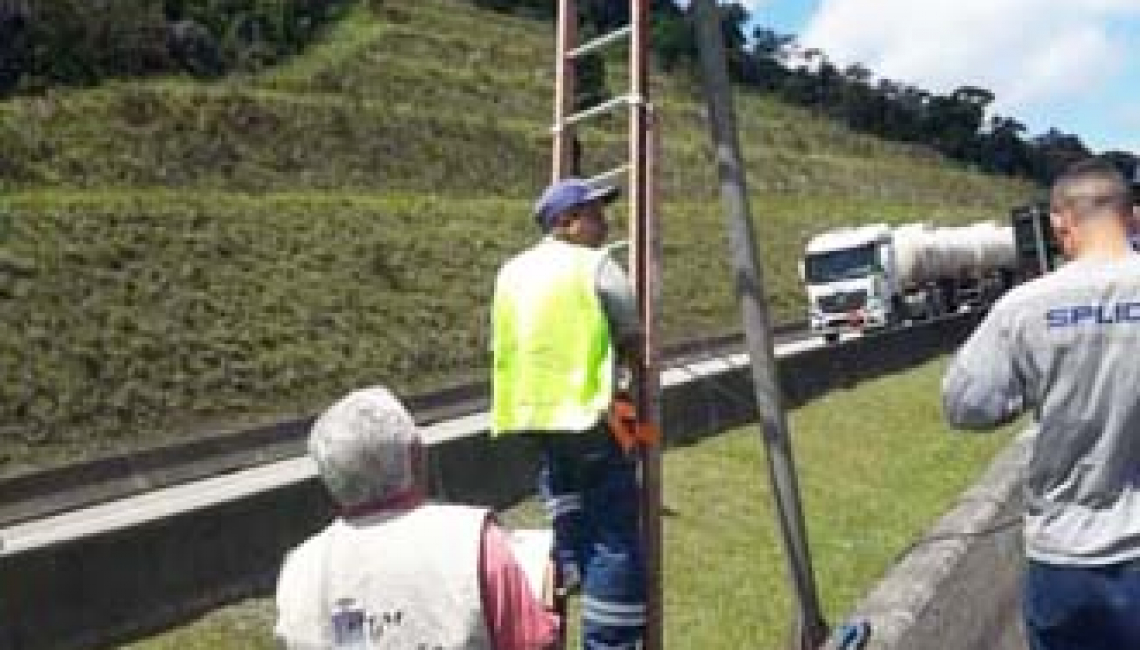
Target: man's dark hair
column 1089, row 186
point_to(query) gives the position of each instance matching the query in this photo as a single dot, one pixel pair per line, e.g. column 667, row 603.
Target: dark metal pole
column 1037, row 214
column 811, row 629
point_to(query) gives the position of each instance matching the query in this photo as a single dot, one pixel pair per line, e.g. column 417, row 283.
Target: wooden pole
column 564, row 89
column 645, row 263
column 810, row 629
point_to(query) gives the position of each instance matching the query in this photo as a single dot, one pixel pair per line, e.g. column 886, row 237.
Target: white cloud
column 1028, row 52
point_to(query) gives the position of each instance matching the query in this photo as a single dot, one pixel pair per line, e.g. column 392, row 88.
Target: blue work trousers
column 590, row 488
column 1082, row 608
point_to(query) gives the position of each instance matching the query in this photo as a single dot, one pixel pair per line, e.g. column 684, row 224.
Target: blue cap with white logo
column 566, row 194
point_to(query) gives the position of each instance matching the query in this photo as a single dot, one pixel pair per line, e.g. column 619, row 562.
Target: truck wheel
column 899, row 315
column 934, row 307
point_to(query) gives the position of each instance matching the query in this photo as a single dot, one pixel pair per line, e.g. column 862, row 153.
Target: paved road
column 165, row 502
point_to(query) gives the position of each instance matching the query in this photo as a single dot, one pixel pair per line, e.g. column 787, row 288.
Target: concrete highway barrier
column 958, row 587
column 121, row 569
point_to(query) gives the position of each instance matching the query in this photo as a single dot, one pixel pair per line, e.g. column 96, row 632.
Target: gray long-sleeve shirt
column 1066, row 346
column 618, row 301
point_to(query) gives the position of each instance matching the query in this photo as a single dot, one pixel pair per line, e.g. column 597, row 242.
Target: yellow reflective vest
column 553, row 355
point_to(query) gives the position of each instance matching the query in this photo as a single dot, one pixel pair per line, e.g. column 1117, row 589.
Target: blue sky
column 1072, row 64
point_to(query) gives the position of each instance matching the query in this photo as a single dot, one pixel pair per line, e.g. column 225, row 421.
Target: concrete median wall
column 104, row 588
column 958, row 587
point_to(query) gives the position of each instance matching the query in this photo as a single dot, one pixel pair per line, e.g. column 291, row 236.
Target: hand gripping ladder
column 639, row 171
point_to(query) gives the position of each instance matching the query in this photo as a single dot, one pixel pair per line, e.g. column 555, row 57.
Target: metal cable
column 1001, row 526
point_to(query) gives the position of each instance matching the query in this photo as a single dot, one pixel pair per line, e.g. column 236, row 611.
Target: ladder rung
column 608, row 178
column 605, row 107
column 600, row 42
column 620, row 246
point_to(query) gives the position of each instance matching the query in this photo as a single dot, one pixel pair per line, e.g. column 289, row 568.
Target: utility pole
column 810, row 628
column 645, row 266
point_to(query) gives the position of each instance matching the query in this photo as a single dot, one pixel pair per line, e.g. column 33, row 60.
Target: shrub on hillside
column 80, row 42
column 65, row 40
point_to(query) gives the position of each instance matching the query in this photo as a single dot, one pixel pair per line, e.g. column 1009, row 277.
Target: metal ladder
column 640, row 171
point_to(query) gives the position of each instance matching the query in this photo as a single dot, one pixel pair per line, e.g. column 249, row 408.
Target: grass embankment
column 877, row 467
column 176, row 254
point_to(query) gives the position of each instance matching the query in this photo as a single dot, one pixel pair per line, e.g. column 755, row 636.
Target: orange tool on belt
column 627, row 429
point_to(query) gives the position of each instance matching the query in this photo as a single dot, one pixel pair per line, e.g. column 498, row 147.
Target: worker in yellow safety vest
column 564, row 314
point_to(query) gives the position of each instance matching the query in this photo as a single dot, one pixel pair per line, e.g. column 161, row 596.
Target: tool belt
column 628, row 430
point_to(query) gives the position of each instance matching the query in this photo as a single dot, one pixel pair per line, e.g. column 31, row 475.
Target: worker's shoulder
column 1032, row 291
column 538, row 248
column 456, row 517
column 1074, row 280
column 456, row 510
column 548, row 250
column 304, row 559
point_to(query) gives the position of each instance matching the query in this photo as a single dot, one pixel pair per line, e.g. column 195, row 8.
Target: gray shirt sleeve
column 981, row 388
column 616, row 294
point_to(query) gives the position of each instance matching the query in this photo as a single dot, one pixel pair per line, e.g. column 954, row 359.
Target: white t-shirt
column 391, row 581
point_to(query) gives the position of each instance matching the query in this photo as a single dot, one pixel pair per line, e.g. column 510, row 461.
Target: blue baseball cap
column 569, row 193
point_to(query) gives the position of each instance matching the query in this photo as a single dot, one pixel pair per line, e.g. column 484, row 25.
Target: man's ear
column 1058, row 219
column 568, row 217
column 565, row 220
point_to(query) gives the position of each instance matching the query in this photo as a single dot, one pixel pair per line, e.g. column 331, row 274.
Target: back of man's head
column 1092, row 187
column 366, row 447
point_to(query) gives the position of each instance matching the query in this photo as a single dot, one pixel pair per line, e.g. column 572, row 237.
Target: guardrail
column 148, row 571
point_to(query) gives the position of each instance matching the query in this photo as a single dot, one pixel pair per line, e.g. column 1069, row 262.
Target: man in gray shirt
column 1067, row 347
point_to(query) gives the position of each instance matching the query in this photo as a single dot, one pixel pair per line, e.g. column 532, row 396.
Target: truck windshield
column 832, row 266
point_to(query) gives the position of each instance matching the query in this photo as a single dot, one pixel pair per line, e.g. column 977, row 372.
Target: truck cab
column 1038, row 251
column 849, row 280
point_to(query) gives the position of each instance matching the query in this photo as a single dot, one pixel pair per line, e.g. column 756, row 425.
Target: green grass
column 434, row 96
column 877, row 467
column 179, row 256
column 140, row 316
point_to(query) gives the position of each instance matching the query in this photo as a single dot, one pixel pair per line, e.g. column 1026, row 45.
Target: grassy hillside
column 176, row 254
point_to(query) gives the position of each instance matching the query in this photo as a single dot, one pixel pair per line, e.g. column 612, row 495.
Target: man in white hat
column 393, row 571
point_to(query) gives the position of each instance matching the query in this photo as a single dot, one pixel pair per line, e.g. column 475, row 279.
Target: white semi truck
column 877, row 276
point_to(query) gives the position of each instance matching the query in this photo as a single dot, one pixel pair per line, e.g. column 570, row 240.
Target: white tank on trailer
column 997, row 246
column 915, row 259
column 924, row 253
column 960, row 251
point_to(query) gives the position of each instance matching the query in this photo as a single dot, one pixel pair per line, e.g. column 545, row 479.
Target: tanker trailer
column 874, row 277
